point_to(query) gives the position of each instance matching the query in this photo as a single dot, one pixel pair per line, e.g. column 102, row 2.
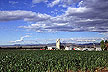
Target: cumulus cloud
column 87, row 17
column 90, row 16
column 80, row 10
column 20, row 40
column 63, row 3
column 22, row 15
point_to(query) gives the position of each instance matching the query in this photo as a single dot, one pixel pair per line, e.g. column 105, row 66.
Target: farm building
column 68, row 48
column 98, row 49
column 88, row 49
column 51, row 48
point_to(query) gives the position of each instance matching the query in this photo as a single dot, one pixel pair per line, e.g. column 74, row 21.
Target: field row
column 58, row 61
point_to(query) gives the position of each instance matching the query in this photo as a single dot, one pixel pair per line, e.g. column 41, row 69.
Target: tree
column 106, row 41
column 106, row 45
column 102, row 45
column 45, row 47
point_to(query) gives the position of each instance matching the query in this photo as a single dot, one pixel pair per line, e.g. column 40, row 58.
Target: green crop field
column 51, row 61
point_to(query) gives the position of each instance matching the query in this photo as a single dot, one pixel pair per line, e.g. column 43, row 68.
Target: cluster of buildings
column 60, row 46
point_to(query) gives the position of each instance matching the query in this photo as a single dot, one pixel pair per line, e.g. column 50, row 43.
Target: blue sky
column 43, row 21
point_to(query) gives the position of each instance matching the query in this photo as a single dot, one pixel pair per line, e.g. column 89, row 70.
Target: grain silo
column 58, row 43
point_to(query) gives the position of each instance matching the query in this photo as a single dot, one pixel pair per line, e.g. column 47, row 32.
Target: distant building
column 58, row 43
column 68, row 48
column 78, row 48
column 51, row 48
column 98, row 49
column 88, row 49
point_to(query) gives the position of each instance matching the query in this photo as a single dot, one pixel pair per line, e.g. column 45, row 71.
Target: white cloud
column 89, row 18
column 55, row 2
column 38, row 1
column 80, row 40
column 85, row 20
column 105, row 34
column 71, row 10
column 68, row 23
column 13, row 2
column 20, row 40
column 63, row 3
column 38, row 17
column 22, row 15
column 80, row 4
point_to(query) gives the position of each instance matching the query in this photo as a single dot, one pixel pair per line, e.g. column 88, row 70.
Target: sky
column 43, row 21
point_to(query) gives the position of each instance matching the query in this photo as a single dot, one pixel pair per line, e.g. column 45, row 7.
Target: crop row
column 51, row 61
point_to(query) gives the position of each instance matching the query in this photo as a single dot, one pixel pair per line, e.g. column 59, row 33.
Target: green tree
column 106, row 41
column 102, row 45
column 106, row 45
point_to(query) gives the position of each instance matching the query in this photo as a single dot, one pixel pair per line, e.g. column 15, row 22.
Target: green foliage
column 102, row 45
column 51, row 61
column 106, row 41
column 102, row 42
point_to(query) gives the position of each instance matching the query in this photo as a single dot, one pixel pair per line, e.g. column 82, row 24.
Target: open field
column 52, row 61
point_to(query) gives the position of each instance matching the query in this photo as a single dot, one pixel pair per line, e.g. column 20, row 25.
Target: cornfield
column 52, row 61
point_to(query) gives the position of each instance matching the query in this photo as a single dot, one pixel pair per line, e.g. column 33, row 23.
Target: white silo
column 58, row 43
